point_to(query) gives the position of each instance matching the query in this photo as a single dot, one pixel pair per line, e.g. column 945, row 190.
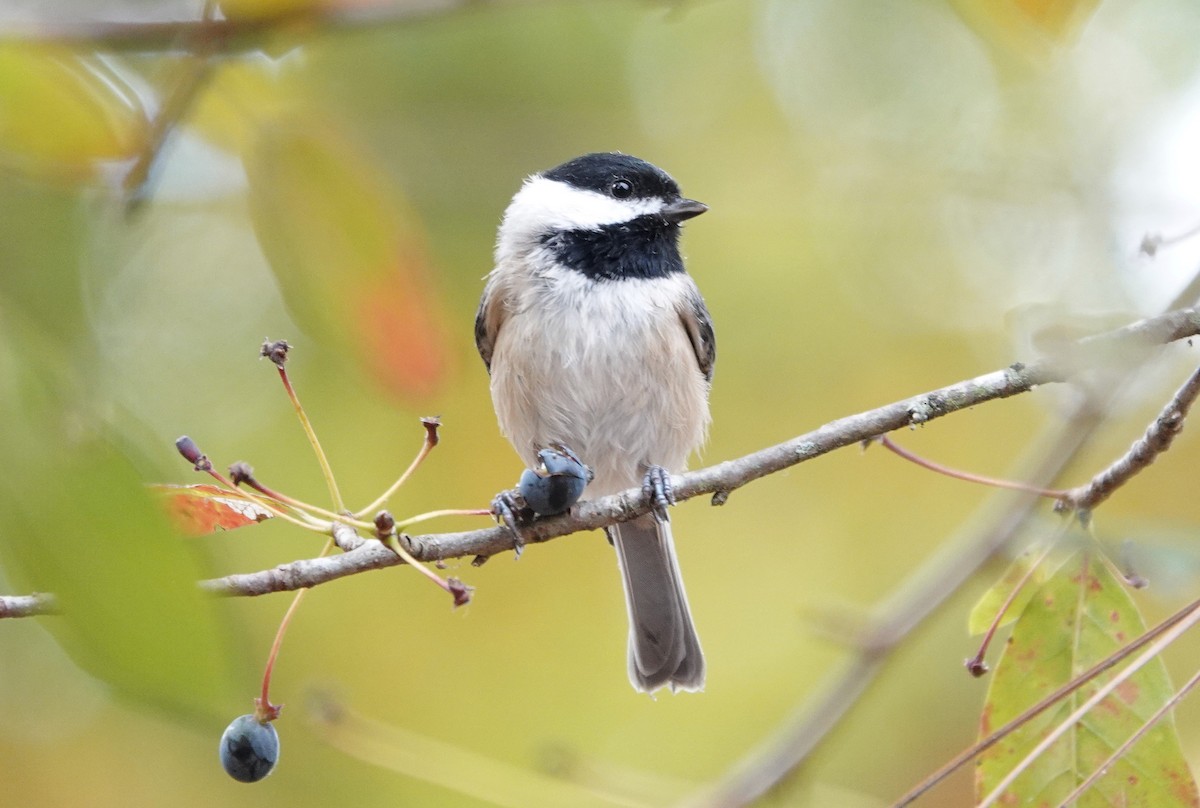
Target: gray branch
column 1129, row 344
column 27, row 605
column 1159, row 436
column 236, row 34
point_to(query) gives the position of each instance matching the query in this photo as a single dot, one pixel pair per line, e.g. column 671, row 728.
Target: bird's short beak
column 682, row 209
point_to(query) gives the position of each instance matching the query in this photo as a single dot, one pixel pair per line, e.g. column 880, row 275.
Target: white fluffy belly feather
column 622, row 403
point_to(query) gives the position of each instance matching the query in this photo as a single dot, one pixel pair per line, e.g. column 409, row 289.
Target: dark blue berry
column 557, row 485
column 249, row 749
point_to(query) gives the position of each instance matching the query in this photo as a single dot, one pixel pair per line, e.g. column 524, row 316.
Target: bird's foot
column 510, row 510
column 656, row 488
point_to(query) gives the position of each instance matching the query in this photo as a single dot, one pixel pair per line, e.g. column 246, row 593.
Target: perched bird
column 597, row 339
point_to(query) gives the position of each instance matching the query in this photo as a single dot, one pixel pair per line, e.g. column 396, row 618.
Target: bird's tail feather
column 663, row 647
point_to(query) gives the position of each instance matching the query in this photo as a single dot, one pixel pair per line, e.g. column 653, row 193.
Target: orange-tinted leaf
column 1059, row 18
column 202, row 509
column 61, row 112
column 1027, row 26
column 402, row 336
column 350, row 259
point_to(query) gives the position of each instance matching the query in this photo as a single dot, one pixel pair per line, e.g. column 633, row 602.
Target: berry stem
column 299, row 505
column 976, row 665
column 431, row 440
column 385, row 532
column 264, row 709
column 305, row 520
column 240, row 471
column 326, row 470
column 424, row 517
column 303, row 507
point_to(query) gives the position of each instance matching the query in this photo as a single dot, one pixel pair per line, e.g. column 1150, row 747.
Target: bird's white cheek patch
column 544, row 205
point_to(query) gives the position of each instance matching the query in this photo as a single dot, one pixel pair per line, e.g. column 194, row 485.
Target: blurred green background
column 902, row 194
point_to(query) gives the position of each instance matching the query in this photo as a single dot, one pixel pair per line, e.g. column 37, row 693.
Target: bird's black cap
column 602, row 171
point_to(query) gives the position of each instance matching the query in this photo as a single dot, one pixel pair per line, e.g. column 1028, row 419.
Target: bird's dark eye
column 621, row 189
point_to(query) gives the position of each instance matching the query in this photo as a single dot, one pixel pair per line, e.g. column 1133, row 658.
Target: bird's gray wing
column 698, row 323
column 488, row 318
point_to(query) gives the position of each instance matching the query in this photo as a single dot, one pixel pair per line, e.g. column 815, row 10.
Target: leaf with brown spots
column 1077, row 618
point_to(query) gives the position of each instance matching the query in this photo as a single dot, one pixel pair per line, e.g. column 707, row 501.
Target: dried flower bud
column 276, row 351
column 385, row 525
column 191, row 453
column 241, row 472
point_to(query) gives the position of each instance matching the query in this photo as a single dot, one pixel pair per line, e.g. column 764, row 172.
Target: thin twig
column 1120, row 751
column 240, row 34
column 801, row 734
column 967, row 476
column 27, row 605
column 977, row 665
column 1156, row 440
column 191, row 75
column 369, row 555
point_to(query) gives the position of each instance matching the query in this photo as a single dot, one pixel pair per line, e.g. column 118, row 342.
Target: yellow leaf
column 245, row 96
column 61, row 113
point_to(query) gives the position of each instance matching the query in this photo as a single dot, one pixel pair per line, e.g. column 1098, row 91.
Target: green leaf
column 132, row 614
column 77, row 520
column 1080, row 616
column 993, row 600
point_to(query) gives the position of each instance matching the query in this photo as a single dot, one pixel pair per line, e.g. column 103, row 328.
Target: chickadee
column 597, row 339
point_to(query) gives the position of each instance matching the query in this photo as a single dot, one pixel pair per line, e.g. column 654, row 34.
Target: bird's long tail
column 663, row 646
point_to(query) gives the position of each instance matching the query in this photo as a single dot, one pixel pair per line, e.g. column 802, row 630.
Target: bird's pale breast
column 622, row 404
